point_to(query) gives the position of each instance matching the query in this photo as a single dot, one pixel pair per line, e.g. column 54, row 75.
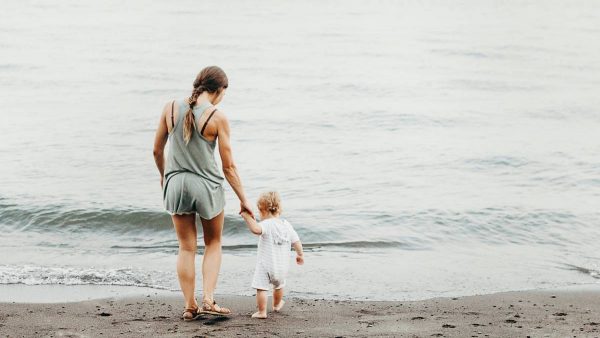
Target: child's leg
column 278, row 299
column 261, row 303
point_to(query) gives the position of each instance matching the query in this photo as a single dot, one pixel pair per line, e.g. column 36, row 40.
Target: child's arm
column 251, row 223
column 297, row 245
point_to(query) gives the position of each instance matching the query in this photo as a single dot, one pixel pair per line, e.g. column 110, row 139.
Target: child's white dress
column 274, row 247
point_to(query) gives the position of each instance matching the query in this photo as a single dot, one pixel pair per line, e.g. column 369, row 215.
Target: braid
column 211, row 79
column 190, row 122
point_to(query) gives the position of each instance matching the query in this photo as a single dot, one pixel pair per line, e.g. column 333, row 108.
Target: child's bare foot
column 259, row 315
column 278, row 307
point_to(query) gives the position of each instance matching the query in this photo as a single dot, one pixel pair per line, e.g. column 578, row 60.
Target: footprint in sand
column 215, row 320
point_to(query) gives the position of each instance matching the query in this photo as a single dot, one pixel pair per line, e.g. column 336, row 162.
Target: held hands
column 245, row 214
column 250, row 221
column 246, row 208
column 300, row 259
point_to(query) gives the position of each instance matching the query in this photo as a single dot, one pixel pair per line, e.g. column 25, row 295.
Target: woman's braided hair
column 270, row 201
column 211, row 79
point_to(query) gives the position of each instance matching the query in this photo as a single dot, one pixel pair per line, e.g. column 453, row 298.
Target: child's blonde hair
column 270, row 201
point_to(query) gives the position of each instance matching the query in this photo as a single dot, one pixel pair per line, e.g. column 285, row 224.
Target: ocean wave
column 39, row 275
column 59, row 226
column 315, row 246
column 128, row 226
column 63, row 218
column 492, row 162
column 594, row 273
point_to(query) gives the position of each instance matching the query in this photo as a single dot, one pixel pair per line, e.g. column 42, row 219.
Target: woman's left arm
column 160, row 140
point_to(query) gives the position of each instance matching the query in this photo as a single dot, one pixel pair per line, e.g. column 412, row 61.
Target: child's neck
column 268, row 215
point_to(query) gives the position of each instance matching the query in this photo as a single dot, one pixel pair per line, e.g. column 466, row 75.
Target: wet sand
column 558, row 313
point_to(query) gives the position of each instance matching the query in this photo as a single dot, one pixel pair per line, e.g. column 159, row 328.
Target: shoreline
column 72, row 293
column 572, row 311
column 60, row 293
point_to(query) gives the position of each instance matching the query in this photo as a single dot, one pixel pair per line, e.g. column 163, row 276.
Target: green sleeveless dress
column 192, row 182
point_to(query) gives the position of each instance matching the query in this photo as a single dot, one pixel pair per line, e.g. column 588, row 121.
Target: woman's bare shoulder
column 171, row 104
column 220, row 117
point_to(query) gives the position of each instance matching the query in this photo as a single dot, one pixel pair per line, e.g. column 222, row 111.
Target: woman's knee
column 189, row 245
column 212, row 242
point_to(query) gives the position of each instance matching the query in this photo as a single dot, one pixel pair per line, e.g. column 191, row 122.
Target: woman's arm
column 229, row 168
column 160, row 140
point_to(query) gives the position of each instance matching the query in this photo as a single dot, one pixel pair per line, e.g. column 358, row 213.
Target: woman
column 192, row 183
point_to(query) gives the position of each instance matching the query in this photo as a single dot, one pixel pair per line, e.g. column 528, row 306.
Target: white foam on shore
column 20, row 293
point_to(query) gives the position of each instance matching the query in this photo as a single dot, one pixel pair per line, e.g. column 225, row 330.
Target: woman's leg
column 211, row 262
column 185, row 226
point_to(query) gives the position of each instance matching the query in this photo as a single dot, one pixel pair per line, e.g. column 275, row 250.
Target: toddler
column 277, row 237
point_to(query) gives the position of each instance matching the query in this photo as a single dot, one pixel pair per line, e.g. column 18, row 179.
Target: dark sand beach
column 556, row 313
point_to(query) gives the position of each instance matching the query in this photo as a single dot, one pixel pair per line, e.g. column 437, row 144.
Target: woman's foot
column 278, row 307
column 212, row 308
column 259, row 315
column 190, row 314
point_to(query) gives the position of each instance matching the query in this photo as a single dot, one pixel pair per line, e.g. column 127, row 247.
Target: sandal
column 214, row 309
column 190, row 314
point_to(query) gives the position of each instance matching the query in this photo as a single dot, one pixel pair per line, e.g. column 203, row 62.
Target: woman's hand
column 161, row 182
column 300, row 259
column 246, row 207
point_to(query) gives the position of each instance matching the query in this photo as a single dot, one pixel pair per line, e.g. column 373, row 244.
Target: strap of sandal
column 193, row 311
column 213, row 307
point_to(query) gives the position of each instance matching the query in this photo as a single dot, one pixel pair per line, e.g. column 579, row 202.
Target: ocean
column 421, row 148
